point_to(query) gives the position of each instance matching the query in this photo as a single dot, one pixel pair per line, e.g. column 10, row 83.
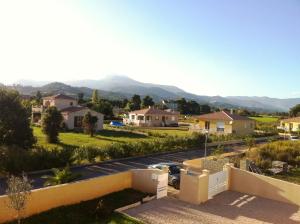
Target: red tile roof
column 152, row 110
column 59, row 96
column 223, row 116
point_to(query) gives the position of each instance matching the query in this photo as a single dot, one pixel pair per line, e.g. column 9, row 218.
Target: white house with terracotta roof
column 151, row 117
column 225, row 122
column 68, row 106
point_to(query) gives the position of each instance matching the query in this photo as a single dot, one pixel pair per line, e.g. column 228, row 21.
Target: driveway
column 227, row 207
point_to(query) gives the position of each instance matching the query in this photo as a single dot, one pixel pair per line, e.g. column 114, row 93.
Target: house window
column 71, row 103
column 207, row 125
column 132, row 117
column 173, row 118
column 140, row 118
column 148, row 118
column 220, row 126
column 78, row 121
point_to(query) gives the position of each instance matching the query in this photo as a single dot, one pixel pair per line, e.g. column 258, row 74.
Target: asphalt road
column 116, row 166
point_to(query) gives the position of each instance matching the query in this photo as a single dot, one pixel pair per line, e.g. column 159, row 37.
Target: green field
column 265, row 119
column 106, row 136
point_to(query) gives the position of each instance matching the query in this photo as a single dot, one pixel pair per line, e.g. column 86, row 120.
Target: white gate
column 217, row 183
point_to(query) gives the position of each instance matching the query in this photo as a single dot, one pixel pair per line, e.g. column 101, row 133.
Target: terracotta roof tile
column 154, row 111
column 292, row 119
column 59, row 96
column 73, row 109
column 223, row 116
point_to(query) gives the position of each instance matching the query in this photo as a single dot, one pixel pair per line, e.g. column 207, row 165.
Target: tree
column 295, row 111
column 250, row 142
column 51, row 121
column 18, row 190
column 136, row 100
column 104, row 107
column 95, row 96
column 14, row 121
column 89, row 123
column 205, row 109
column 129, row 106
column 147, row 101
column 60, row 176
column 38, row 97
column 80, row 97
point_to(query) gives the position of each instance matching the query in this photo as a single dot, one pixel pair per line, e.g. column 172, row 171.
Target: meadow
column 265, row 119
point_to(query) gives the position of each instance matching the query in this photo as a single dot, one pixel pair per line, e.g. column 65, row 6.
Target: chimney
column 231, row 111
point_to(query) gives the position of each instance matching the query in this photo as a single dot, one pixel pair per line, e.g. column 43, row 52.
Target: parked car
column 294, row 138
column 116, row 124
column 174, row 172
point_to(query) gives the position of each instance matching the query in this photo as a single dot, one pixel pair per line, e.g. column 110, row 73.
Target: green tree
column 14, row 121
column 89, row 123
column 105, row 108
column 295, row 111
column 136, row 100
column 51, row 121
column 38, row 97
column 147, row 101
column 250, row 142
column 95, row 96
column 18, row 190
column 80, row 97
column 129, row 106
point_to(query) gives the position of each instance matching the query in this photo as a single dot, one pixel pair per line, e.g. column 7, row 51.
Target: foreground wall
column 263, row 186
column 44, row 199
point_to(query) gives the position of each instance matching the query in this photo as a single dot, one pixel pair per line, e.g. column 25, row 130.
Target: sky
column 207, row 47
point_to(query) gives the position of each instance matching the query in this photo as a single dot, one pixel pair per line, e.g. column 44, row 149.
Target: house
column 290, row 124
column 68, row 106
column 152, row 117
column 225, row 122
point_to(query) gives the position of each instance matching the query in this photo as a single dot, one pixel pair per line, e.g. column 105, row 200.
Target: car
column 294, row 138
column 174, row 172
column 116, row 124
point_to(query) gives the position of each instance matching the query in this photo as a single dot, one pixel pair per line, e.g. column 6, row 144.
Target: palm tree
column 60, row 176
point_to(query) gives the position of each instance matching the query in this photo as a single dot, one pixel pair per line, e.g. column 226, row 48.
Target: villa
column 152, row 117
column 68, row 106
column 290, row 124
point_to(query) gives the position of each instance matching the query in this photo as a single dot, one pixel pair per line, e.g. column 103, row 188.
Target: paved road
column 111, row 167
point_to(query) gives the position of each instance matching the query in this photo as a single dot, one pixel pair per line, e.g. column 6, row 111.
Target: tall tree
column 295, row 111
column 89, row 123
column 51, row 121
column 14, row 121
column 147, row 101
column 80, row 97
column 104, row 107
column 95, row 96
column 38, row 97
column 136, row 100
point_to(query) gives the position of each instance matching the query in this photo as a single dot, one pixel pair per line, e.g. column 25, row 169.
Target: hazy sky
column 212, row 47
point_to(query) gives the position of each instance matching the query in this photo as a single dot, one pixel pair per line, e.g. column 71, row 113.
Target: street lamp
column 205, row 144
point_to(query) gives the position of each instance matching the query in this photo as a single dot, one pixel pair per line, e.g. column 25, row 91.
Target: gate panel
column 217, row 183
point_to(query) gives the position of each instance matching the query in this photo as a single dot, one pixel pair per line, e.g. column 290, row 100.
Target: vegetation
column 14, row 123
column 295, row 111
column 18, row 190
column 60, row 176
column 95, row 97
column 89, row 123
column 192, row 107
column 265, row 119
column 287, row 151
column 147, row 101
column 96, row 211
column 51, row 122
column 292, row 176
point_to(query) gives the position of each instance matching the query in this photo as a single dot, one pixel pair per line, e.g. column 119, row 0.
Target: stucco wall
column 286, row 125
column 193, row 186
column 263, row 186
column 60, row 103
column 143, row 180
column 213, row 127
column 153, row 122
column 69, row 118
column 243, row 127
column 44, row 199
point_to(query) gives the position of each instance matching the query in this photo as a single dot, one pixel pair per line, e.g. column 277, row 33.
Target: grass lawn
column 265, row 119
column 104, row 137
column 91, row 212
column 292, row 176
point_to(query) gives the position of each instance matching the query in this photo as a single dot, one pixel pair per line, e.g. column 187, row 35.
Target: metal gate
column 217, row 183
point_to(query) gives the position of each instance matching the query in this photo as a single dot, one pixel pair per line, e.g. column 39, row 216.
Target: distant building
column 68, row 106
column 152, row 117
column 225, row 122
column 290, row 124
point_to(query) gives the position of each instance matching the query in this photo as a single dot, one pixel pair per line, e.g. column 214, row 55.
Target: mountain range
column 120, row 87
